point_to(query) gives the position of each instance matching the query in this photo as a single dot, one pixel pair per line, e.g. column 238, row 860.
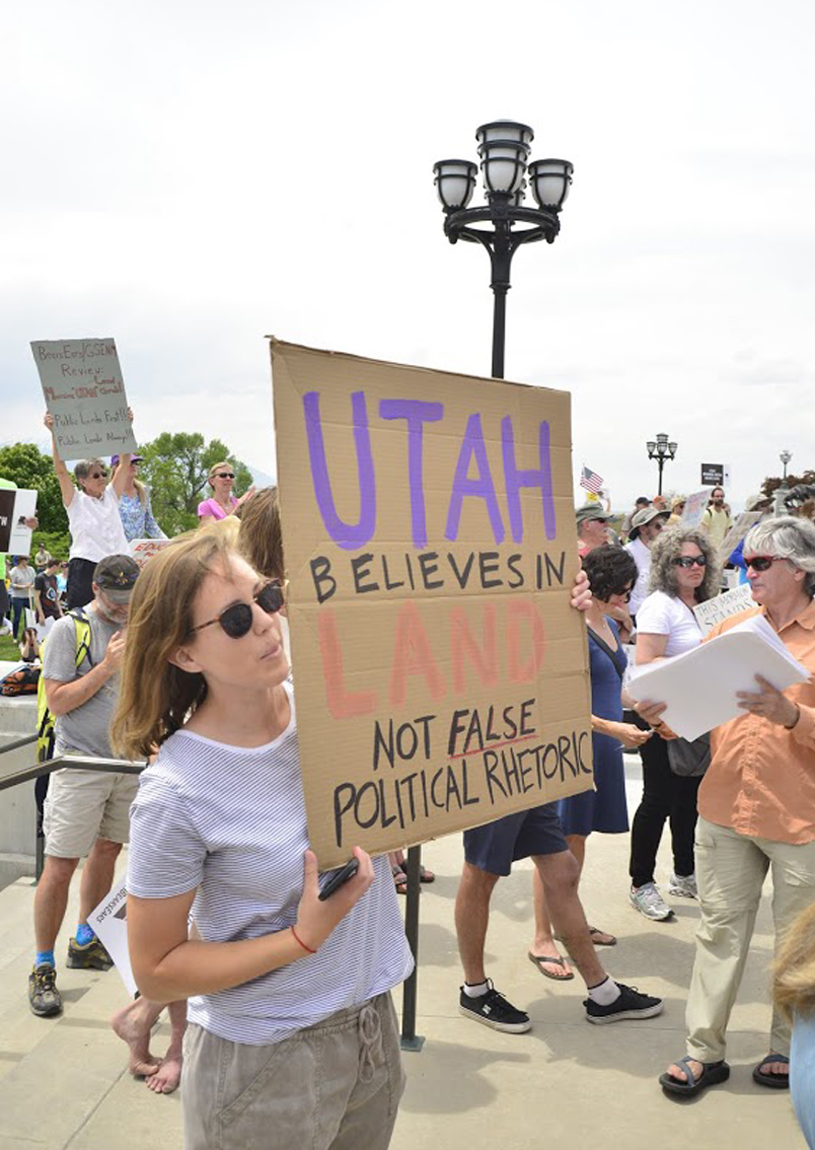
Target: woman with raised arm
column 291, row 1026
column 93, row 517
column 134, row 501
column 221, row 502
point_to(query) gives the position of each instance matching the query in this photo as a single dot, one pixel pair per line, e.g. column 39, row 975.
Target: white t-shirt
column 231, row 823
column 662, row 614
column 642, row 557
column 96, row 526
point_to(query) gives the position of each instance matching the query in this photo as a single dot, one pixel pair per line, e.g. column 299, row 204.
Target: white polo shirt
column 96, row 526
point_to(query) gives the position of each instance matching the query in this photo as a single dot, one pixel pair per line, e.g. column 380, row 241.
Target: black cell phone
column 338, row 878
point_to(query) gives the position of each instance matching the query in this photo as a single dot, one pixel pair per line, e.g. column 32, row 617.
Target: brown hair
column 794, row 968
column 155, row 696
column 260, row 540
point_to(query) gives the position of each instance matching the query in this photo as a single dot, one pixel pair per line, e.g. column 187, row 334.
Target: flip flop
column 712, row 1074
column 555, row 960
column 776, row 1081
column 426, row 875
column 399, row 879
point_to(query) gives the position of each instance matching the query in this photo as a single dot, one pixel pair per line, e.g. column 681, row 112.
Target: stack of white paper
column 700, row 686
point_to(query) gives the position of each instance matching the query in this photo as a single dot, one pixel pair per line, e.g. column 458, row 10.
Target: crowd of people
column 183, row 664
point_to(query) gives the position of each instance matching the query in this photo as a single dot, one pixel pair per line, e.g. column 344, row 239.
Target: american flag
column 591, row 480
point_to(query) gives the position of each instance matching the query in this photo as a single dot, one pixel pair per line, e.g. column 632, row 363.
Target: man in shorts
column 489, row 853
column 86, row 812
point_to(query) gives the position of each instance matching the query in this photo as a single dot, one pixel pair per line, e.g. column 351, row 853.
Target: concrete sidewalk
column 564, row 1084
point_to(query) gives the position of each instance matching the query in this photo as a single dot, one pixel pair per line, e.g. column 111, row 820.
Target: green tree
column 176, row 468
column 26, row 465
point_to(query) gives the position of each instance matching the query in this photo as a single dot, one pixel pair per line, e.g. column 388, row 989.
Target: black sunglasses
column 762, row 562
column 224, row 474
column 687, row 561
column 99, row 475
column 236, row 621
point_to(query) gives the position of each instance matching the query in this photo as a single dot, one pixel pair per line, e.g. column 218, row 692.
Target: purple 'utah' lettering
column 349, row 536
column 535, row 477
column 416, row 414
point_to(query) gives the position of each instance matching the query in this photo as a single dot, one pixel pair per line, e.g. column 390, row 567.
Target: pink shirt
column 212, row 507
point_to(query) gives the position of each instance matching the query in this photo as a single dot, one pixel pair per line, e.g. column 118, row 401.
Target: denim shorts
column 496, row 846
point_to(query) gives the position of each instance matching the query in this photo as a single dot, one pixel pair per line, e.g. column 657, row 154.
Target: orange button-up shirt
column 761, row 778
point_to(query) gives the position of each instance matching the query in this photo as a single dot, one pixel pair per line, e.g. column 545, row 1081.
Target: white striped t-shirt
column 231, row 822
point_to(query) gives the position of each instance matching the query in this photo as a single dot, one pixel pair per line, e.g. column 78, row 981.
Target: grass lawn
column 9, row 649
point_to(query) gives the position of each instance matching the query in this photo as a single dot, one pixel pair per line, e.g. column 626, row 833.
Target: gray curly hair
column 788, row 537
column 668, row 546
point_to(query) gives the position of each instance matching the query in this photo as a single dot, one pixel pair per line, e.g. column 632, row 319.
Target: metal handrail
column 76, row 762
column 17, row 743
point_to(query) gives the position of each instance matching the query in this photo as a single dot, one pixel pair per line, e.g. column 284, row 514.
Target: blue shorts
column 496, row 846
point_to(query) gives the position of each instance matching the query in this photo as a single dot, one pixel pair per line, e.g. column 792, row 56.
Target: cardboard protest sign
column 695, row 506
column 430, row 543
column 144, row 549
column 732, row 602
column 737, row 532
column 84, row 391
column 109, row 922
column 16, row 505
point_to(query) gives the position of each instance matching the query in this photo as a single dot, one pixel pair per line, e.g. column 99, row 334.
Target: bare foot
column 133, row 1024
column 679, row 1074
column 549, row 960
column 168, row 1075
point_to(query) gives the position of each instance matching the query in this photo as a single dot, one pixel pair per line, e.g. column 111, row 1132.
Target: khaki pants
column 333, row 1086
column 730, row 871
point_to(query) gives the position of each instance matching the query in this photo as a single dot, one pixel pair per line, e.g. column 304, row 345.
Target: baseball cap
column 114, row 459
column 756, row 501
column 116, row 575
column 590, row 511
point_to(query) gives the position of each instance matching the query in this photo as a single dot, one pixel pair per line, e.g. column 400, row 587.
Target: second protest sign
column 429, row 533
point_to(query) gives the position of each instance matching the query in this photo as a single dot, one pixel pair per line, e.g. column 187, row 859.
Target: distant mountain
column 260, row 478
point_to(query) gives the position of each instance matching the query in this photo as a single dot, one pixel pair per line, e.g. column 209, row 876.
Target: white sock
column 605, row 992
column 476, row 989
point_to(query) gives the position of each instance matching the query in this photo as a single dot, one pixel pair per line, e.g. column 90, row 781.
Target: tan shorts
column 335, row 1085
column 82, row 806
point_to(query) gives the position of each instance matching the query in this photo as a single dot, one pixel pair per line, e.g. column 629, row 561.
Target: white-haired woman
column 684, row 573
column 93, row 517
column 756, row 813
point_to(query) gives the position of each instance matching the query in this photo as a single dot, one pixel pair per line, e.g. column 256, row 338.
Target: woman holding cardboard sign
column 288, row 992
column 93, row 517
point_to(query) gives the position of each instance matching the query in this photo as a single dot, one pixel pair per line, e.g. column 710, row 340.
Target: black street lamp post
column 503, row 147
column 661, row 450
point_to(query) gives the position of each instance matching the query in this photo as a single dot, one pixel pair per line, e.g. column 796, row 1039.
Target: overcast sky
column 189, row 177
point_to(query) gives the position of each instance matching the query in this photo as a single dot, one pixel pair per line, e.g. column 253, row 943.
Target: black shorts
column 496, row 846
column 80, row 583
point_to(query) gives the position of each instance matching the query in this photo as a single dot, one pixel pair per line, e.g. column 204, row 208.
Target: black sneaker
column 630, row 1004
column 493, row 1010
column 43, row 996
column 90, row 956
